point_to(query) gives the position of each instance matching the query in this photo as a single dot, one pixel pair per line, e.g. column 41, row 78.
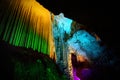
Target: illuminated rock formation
column 73, row 38
column 26, row 23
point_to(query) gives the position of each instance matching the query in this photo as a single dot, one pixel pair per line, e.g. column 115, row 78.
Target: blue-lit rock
column 85, row 44
column 61, row 25
column 70, row 38
column 81, row 41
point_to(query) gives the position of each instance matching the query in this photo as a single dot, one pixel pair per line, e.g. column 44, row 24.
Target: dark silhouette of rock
column 18, row 63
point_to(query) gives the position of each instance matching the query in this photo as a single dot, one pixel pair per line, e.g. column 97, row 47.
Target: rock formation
column 76, row 50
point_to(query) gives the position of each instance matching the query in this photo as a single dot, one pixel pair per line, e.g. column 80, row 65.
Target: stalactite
column 28, row 24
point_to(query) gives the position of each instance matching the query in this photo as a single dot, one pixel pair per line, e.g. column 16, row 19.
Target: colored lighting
column 28, row 24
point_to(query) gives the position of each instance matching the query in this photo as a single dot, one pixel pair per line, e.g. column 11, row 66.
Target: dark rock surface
column 19, row 63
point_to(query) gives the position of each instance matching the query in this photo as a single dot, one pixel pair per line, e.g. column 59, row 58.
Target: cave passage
column 81, row 70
